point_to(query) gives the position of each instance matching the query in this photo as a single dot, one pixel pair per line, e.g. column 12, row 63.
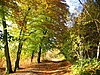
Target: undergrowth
column 86, row 67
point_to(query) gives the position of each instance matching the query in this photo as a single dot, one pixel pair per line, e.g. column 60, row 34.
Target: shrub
column 86, row 67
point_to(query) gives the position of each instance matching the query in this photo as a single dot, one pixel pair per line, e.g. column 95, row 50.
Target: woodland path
column 45, row 68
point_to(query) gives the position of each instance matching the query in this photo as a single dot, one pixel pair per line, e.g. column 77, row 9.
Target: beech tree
column 4, row 12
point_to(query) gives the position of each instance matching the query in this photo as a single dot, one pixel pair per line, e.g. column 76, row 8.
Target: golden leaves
column 20, row 23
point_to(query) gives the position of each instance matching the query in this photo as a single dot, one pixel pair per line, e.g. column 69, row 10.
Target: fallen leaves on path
column 45, row 68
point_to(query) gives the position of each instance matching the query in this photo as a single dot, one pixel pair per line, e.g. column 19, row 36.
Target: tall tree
column 5, row 38
column 21, row 39
column 87, row 21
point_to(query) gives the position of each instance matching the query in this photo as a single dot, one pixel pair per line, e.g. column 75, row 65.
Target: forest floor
column 44, row 68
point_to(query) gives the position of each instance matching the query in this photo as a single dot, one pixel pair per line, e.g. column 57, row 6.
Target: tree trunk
column 32, row 56
column 39, row 55
column 18, row 52
column 98, row 51
column 40, row 47
column 6, row 48
column 18, row 57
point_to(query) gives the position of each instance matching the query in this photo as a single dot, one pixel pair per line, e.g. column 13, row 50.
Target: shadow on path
column 46, row 68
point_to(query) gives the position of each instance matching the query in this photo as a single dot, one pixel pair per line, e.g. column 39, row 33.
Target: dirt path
column 45, row 68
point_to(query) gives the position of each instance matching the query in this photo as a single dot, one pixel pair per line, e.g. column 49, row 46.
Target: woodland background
column 37, row 30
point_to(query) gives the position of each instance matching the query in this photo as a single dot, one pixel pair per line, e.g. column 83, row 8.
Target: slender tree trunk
column 18, row 57
column 6, row 48
column 7, row 55
column 40, row 47
column 32, row 56
column 39, row 55
column 98, row 51
column 18, row 52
